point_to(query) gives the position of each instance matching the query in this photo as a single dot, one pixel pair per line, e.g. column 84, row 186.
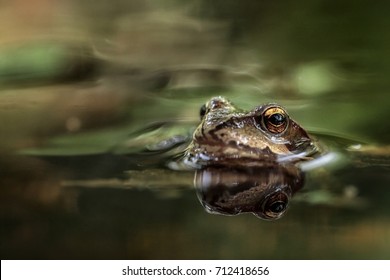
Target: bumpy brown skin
column 230, row 136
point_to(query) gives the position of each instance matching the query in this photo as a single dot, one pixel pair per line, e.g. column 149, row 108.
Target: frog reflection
column 265, row 192
column 247, row 161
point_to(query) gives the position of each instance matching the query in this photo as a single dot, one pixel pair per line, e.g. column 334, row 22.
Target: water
column 79, row 116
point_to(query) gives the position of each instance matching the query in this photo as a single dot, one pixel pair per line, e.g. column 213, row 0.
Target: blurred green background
column 78, row 78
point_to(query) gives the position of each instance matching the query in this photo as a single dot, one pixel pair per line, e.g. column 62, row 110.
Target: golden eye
column 275, row 120
column 275, row 206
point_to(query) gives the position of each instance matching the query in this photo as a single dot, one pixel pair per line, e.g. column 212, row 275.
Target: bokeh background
column 77, row 78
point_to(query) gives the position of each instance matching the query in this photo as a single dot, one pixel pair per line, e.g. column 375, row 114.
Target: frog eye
column 202, row 111
column 276, row 205
column 275, row 120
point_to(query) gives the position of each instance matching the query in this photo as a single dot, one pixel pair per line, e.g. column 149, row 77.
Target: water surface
column 91, row 94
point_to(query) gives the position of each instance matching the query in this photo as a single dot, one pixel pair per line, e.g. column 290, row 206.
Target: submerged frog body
column 264, row 136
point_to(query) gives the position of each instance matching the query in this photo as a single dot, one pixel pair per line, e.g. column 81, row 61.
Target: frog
column 255, row 161
column 263, row 136
column 248, row 161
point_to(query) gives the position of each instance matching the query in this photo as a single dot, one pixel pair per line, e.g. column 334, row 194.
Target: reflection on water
column 265, row 192
column 96, row 99
column 105, row 206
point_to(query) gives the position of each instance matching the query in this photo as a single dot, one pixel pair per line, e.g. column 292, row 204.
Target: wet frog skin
column 264, row 136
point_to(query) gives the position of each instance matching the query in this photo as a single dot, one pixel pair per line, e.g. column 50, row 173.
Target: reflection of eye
column 202, row 111
column 275, row 205
column 275, row 120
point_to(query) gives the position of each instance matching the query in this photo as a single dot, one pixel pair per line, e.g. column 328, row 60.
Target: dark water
column 90, row 93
